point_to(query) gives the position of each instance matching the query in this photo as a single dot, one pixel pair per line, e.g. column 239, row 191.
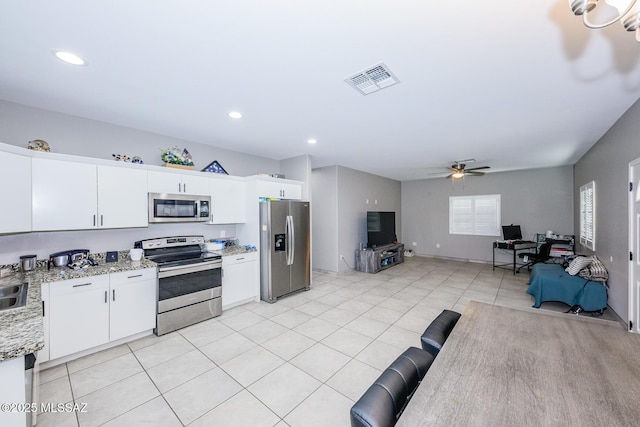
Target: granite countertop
column 21, row 329
column 235, row 250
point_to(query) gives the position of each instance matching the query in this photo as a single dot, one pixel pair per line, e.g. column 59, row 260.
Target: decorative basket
column 171, row 165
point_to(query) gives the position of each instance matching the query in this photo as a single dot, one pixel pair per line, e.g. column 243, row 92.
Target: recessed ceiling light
column 69, row 58
column 235, row 115
column 312, row 141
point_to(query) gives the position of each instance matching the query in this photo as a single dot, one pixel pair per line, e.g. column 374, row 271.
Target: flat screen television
column 381, row 228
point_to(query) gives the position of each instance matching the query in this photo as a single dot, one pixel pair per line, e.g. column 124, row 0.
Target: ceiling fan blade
column 474, row 173
column 478, row 168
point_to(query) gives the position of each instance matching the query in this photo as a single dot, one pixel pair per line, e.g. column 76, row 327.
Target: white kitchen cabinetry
column 178, row 183
column 43, row 354
column 78, row 314
column 15, row 173
column 87, row 312
column 65, row 195
column 122, row 197
column 279, row 190
column 239, row 279
column 81, row 196
column 132, row 299
column 228, row 205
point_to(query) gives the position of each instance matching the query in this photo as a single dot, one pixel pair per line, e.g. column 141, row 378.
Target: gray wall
column 44, row 243
column 89, row 138
column 67, row 134
column 299, row 168
column 537, row 199
column 341, row 199
column 607, row 163
column 324, row 218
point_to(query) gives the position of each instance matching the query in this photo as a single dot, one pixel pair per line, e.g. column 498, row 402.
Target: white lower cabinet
column 43, row 353
column 88, row 312
column 132, row 303
column 239, row 279
column 78, row 315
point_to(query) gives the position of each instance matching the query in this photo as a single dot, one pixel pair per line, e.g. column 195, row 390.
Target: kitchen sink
column 9, row 290
column 13, row 296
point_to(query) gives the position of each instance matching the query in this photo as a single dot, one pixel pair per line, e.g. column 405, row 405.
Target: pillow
column 598, row 269
column 578, row 264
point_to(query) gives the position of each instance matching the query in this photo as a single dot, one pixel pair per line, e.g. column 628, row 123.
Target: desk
column 507, row 367
column 515, row 248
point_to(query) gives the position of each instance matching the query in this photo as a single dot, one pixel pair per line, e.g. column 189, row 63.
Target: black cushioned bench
column 438, row 331
column 382, row 404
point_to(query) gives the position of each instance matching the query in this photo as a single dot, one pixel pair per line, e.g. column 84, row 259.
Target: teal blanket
column 549, row 282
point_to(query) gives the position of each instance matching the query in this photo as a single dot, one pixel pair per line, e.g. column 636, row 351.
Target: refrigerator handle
column 292, row 245
column 288, row 241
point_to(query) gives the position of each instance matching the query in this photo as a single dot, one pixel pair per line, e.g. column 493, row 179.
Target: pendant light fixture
column 628, row 13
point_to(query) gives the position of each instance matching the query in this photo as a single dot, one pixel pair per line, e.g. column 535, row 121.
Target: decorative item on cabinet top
column 176, row 158
column 38, row 145
column 125, row 158
column 215, row 167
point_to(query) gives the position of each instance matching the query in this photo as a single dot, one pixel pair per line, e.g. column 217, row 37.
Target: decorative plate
column 38, row 145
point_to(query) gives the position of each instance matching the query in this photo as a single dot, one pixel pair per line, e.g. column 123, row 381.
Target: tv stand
column 373, row 260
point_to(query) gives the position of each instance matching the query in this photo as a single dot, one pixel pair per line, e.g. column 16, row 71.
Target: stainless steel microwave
column 165, row 207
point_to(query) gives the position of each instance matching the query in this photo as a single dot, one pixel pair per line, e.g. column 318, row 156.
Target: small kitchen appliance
column 178, row 208
column 28, row 262
column 68, row 258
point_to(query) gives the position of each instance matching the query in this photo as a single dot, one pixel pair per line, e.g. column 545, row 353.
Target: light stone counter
column 21, row 329
column 234, row 250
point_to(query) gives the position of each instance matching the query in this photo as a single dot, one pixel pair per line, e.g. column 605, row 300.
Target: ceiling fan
column 459, row 171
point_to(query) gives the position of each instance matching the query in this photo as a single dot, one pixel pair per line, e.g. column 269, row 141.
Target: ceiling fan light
column 580, row 7
column 631, row 21
column 583, row 7
column 457, row 175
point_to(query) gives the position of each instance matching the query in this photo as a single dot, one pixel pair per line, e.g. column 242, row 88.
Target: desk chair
column 534, row 258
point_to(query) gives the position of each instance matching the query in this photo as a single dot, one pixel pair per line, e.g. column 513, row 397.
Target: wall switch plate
column 111, row 256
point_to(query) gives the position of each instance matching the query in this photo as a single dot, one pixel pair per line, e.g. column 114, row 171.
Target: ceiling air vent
column 372, row 79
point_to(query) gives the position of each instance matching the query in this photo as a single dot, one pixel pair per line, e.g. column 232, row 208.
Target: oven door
column 184, row 285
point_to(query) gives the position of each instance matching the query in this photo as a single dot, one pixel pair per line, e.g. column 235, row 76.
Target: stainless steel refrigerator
column 285, row 248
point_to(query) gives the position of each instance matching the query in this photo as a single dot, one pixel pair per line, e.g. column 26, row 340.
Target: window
column 475, row 215
column 588, row 215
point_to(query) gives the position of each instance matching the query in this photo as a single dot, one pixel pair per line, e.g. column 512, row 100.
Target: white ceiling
column 514, row 85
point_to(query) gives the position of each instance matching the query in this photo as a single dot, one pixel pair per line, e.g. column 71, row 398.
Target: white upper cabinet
column 279, row 190
column 65, row 195
column 177, row 183
column 122, row 197
column 81, row 196
column 228, row 201
column 15, row 174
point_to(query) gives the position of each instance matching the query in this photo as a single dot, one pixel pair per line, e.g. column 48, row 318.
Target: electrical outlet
column 437, row 245
column 342, row 257
column 223, row 233
column 414, row 244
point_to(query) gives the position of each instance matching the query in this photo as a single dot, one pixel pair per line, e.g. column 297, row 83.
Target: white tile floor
column 302, row 361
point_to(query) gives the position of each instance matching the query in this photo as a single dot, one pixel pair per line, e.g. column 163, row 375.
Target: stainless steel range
column 189, row 281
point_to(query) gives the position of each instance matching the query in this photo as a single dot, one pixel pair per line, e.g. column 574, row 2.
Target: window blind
column 475, row 215
column 587, row 216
